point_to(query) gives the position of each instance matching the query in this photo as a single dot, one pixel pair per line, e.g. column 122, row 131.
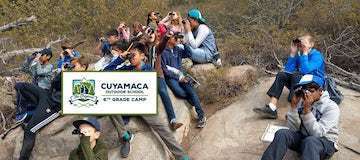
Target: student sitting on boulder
column 104, row 49
column 303, row 59
column 314, row 124
column 200, row 40
column 104, row 46
column 178, row 83
column 137, row 56
column 41, row 71
column 90, row 147
column 68, row 53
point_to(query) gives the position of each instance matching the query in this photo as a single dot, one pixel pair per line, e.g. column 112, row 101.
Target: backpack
column 334, row 92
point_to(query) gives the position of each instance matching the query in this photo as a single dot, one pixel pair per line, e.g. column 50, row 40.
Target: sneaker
column 126, row 147
column 217, row 61
column 174, row 126
column 201, row 123
column 266, row 112
column 20, row 117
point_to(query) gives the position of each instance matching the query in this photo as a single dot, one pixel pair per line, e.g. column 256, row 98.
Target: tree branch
column 6, row 56
column 18, row 23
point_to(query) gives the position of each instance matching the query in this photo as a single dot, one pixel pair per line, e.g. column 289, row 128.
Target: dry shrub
column 217, row 88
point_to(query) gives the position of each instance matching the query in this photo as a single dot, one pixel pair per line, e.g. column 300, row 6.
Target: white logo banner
column 109, row 93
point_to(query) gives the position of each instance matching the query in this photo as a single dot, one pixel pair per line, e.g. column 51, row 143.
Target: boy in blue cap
column 313, row 120
column 90, row 147
column 200, row 40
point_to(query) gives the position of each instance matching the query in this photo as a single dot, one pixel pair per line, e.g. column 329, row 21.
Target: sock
column 272, row 107
column 126, row 136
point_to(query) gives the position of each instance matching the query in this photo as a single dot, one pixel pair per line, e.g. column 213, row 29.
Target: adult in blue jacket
column 303, row 59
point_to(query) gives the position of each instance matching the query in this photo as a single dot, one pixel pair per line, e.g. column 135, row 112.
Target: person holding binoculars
column 313, row 121
column 90, row 147
column 303, row 59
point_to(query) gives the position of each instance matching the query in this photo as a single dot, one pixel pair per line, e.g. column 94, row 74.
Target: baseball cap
column 88, row 120
column 308, row 78
column 196, row 14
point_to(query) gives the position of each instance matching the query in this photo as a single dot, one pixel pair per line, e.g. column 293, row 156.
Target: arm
column 112, row 66
column 165, row 21
column 202, row 34
column 293, row 119
column 329, row 119
column 98, row 49
column 86, row 149
column 308, row 65
column 290, row 65
column 167, row 73
column 162, row 45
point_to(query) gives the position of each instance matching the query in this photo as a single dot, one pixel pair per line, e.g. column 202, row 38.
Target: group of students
column 160, row 46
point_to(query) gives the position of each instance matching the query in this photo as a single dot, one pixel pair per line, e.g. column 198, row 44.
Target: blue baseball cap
column 308, row 78
column 196, row 14
column 88, row 120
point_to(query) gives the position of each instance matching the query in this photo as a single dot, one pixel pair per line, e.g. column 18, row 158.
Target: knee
column 18, row 85
column 281, row 75
column 310, row 141
column 162, row 91
column 281, row 133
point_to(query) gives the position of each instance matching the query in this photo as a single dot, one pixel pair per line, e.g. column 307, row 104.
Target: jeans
column 161, row 129
column 162, row 89
column 185, row 90
column 284, row 79
column 310, row 147
column 199, row 55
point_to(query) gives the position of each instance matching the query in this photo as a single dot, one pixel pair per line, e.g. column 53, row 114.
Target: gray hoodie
column 322, row 121
column 42, row 74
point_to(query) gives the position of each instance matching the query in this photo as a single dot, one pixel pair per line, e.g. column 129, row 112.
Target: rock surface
column 234, row 132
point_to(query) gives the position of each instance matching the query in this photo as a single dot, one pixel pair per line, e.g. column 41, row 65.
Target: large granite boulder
column 234, row 132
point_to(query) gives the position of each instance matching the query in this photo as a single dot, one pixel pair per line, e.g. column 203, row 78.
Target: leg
column 198, row 55
column 40, row 118
column 193, row 97
column 294, row 79
column 119, row 125
column 166, row 136
column 28, row 145
column 283, row 140
column 282, row 79
column 314, row 148
column 162, row 89
column 176, row 88
column 26, row 94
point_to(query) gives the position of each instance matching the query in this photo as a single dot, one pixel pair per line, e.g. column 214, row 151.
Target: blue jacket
column 115, row 63
column 172, row 58
column 67, row 59
column 313, row 63
column 106, row 48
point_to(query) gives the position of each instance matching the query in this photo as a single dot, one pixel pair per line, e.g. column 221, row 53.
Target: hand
column 37, row 57
column 293, row 50
column 294, row 101
column 187, row 26
column 62, row 55
column 309, row 99
column 184, row 80
column 124, row 54
column 85, row 132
